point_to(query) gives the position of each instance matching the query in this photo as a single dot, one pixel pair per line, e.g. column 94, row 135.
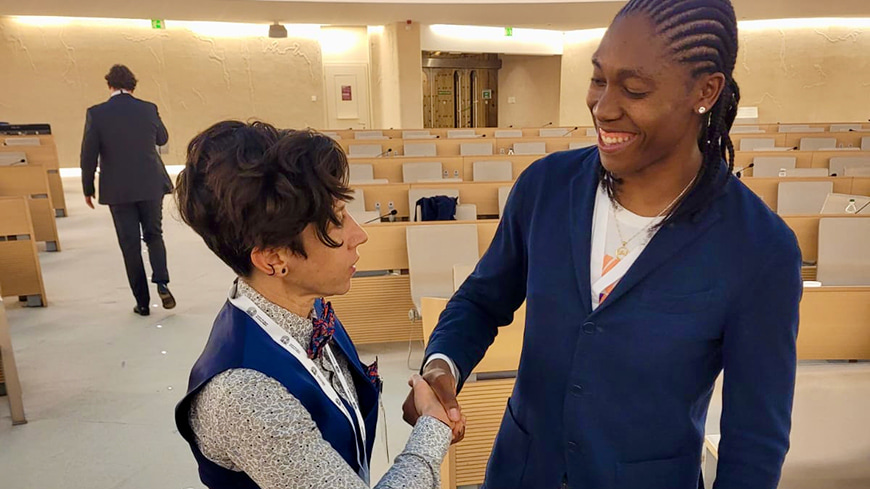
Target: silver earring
column 701, row 110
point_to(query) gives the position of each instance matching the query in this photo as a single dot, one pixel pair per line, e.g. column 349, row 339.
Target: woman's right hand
column 427, row 404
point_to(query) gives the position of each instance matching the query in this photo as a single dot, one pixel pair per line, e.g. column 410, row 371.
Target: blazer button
column 589, row 328
column 573, row 446
column 577, row 389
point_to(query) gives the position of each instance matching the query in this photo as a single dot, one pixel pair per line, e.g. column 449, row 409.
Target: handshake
column 434, row 394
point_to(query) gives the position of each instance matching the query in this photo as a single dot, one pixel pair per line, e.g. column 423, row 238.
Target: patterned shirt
column 246, row 421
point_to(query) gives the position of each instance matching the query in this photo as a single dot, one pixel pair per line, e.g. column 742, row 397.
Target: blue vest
column 237, row 341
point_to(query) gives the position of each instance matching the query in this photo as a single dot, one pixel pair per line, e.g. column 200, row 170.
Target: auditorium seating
column 796, row 198
column 843, row 257
column 32, row 182
column 817, row 144
column 20, row 270
column 836, row 204
column 493, row 171
column 839, row 164
column 39, row 150
column 9, row 370
column 420, row 149
column 433, row 251
column 475, row 149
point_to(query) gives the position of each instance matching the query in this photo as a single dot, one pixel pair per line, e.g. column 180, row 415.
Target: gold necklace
column 623, row 250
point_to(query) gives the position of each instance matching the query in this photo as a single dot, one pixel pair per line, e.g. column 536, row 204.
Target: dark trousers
column 136, row 222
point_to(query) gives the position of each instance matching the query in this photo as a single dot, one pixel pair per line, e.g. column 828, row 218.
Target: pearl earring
column 701, row 110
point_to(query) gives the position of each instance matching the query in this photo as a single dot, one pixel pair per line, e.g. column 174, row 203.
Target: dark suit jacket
column 122, row 134
column 617, row 397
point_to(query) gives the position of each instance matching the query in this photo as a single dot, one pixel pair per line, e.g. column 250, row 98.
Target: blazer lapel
column 667, row 242
column 582, row 204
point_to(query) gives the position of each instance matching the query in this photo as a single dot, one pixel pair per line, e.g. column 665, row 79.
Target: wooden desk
column 835, row 324
column 44, row 155
column 391, row 168
column 482, row 194
column 502, row 356
column 20, row 271
column 780, row 139
column 32, row 182
column 768, row 188
column 9, row 370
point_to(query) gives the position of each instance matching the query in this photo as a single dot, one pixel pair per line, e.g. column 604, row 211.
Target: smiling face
column 641, row 99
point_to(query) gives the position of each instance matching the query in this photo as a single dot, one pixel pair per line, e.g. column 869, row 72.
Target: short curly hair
column 121, row 77
column 250, row 185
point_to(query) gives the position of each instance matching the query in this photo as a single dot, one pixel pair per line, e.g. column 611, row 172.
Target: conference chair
column 475, row 149
column 365, row 150
column 757, row 144
column 591, row 132
column 799, row 128
column 556, row 132
column 420, row 149
column 843, row 257
column 503, row 193
column 331, row 134
column 509, row 133
column 493, row 171
column 462, row 134
column 430, row 171
column 769, row 166
column 18, row 141
column 433, row 251
column 818, row 144
column 533, row 148
column 797, row 198
column 845, row 127
column 839, row 164
column 857, row 171
column 835, row 204
column 418, row 135
column 13, row 159
column 807, row 172
column 865, row 143
column 369, row 135
column 460, row 273
column 828, row 439
column 361, row 173
column 747, row 130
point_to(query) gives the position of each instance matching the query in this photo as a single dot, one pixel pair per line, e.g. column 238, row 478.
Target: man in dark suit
column 123, row 134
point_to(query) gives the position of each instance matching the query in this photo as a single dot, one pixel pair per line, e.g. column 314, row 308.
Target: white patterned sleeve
column 247, row 421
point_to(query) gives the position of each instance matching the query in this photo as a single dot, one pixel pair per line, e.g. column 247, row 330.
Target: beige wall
column 385, row 78
column 534, row 82
column 791, row 75
column 397, row 76
column 410, row 74
column 54, row 73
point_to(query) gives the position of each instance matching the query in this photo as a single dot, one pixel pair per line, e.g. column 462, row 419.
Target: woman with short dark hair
column 279, row 397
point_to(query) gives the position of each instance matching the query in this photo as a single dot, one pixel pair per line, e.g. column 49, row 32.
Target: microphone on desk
column 547, row 125
column 388, row 151
column 388, row 214
column 739, row 173
column 571, row 132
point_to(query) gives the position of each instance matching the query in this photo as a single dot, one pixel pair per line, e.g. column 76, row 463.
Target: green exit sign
column 158, row 24
column 509, row 31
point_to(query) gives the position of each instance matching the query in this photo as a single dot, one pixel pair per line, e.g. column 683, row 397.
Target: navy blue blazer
column 617, row 398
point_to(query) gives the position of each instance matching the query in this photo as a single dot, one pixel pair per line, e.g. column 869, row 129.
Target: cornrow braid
column 703, row 35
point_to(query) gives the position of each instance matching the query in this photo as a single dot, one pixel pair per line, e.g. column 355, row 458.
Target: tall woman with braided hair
column 647, row 270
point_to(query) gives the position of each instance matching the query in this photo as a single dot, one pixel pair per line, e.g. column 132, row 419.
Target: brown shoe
column 165, row 296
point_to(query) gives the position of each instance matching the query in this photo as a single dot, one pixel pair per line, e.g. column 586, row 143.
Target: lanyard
column 599, row 242
column 280, row 337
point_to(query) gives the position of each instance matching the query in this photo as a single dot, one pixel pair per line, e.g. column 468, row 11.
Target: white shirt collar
column 118, row 92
